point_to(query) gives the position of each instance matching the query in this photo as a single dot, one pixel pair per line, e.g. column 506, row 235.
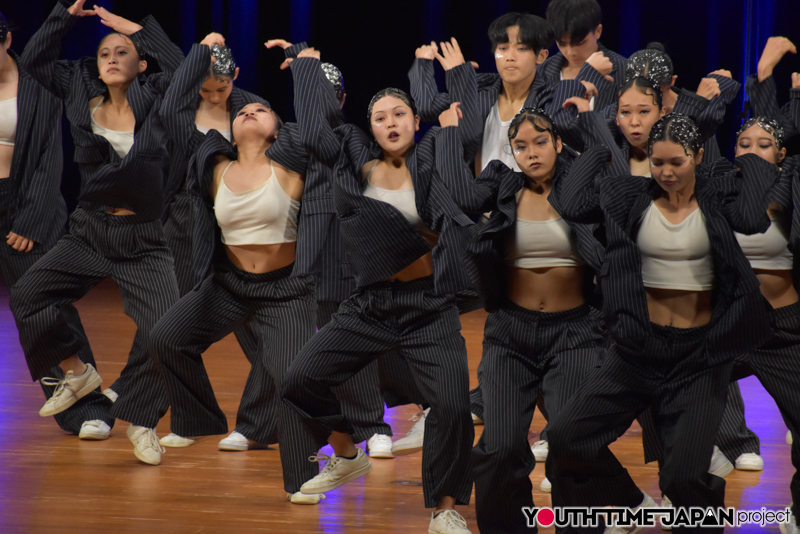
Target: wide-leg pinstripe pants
column 424, row 327
column 525, row 352
column 13, row 265
column 130, row 250
column 257, row 413
column 284, row 309
column 673, row 375
column 777, row 366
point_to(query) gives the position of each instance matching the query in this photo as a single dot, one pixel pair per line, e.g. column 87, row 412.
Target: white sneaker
column 94, row 430
column 789, row 439
column 380, row 446
column 337, row 472
column 749, row 461
column 175, row 441
column 546, row 486
column 69, row 390
column 111, row 394
column 790, row 527
column 720, row 465
column 476, row 420
column 413, row 441
column 540, row 450
column 448, row 522
column 145, row 444
column 302, row 498
column 237, row 441
column 666, row 503
column 647, row 502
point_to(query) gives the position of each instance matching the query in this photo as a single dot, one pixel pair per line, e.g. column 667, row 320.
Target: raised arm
column 745, row 191
column 761, row 86
column 430, row 102
column 43, row 50
column 470, row 194
column 577, row 192
column 596, row 133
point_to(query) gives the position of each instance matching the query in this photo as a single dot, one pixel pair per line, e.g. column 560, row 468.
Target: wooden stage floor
column 53, row 482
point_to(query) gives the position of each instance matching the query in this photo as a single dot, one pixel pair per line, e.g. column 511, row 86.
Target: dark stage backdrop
column 373, row 42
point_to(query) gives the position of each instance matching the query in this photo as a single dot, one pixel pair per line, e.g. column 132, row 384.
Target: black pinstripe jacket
column 478, row 93
column 379, row 240
column 550, row 72
column 764, row 100
column 179, row 110
column 496, row 190
column 729, row 200
column 206, row 238
column 40, row 213
column 134, row 182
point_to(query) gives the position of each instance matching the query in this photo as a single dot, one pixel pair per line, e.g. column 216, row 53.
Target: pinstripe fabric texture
column 130, row 250
column 550, row 72
column 283, row 308
column 525, row 353
column 764, row 101
column 414, row 319
column 479, row 92
column 134, row 182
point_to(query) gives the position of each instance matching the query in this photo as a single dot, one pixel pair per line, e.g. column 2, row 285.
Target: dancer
column 33, row 211
column 115, row 230
column 406, row 240
column 541, row 336
column 677, row 320
column 762, row 91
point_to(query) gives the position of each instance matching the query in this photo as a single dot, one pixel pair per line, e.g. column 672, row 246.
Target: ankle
column 74, row 364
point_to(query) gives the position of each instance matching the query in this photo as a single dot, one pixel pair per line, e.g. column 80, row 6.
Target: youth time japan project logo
column 578, row 517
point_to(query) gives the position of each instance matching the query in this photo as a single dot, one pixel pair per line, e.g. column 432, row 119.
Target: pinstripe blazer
column 40, row 213
column 479, row 92
column 207, row 237
column 764, row 101
column 179, row 111
column 786, row 194
column 550, row 71
column 496, row 190
column 379, row 240
column 729, row 200
column 134, row 182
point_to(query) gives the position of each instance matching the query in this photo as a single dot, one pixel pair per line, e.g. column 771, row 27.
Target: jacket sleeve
column 470, row 194
column 316, row 131
column 577, row 192
column 430, row 102
column 179, row 109
column 745, row 191
column 288, row 149
column 596, row 133
column 43, row 50
column 764, row 99
column 153, row 42
column 713, row 114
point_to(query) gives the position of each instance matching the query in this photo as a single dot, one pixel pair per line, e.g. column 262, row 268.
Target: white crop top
column 405, row 202
column 536, row 244
column 495, row 141
column 675, row 256
column 265, row 215
column 121, row 142
column 225, row 133
column 8, row 121
column 770, row 250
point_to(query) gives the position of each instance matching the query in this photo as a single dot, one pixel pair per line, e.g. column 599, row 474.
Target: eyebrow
column 386, row 110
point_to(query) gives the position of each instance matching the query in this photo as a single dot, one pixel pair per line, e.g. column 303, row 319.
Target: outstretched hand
column 115, row 22
column 212, row 39
column 451, row 115
column 451, row 55
column 76, row 10
column 427, row 51
column 309, row 52
column 283, row 43
column 774, row 50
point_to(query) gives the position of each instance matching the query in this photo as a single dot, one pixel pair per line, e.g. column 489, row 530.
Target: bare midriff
column 6, row 155
column 547, row 289
column 678, row 308
column 777, row 286
column 120, row 211
column 259, row 259
column 419, row 268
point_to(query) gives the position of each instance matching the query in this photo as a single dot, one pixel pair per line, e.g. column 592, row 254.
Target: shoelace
column 153, row 443
column 331, row 462
column 454, row 519
column 60, row 383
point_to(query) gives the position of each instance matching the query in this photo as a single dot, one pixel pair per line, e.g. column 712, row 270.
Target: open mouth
column 394, row 136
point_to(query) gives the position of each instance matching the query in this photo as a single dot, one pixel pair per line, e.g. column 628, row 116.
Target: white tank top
column 406, row 203
column 265, row 215
column 225, row 133
column 536, row 244
column 495, row 141
column 121, row 142
column 675, row 256
column 8, row 121
column 770, row 250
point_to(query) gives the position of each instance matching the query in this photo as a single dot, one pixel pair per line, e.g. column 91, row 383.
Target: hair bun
column 655, row 45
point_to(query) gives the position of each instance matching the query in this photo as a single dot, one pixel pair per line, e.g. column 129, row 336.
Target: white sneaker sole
column 300, row 498
column 381, row 454
column 403, row 451
column 723, row 471
column 85, row 390
column 341, row 482
column 176, row 442
column 92, row 436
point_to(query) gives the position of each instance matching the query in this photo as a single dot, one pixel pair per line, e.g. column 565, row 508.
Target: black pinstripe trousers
column 13, row 265
column 733, row 436
column 130, row 250
column 671, row 374
column 525, row 352
column 284, row 310
column 424, row 327
column 257, row 413
column 777, row 366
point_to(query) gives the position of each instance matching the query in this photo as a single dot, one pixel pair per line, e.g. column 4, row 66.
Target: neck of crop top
column 121, row 141
column 8, row 121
